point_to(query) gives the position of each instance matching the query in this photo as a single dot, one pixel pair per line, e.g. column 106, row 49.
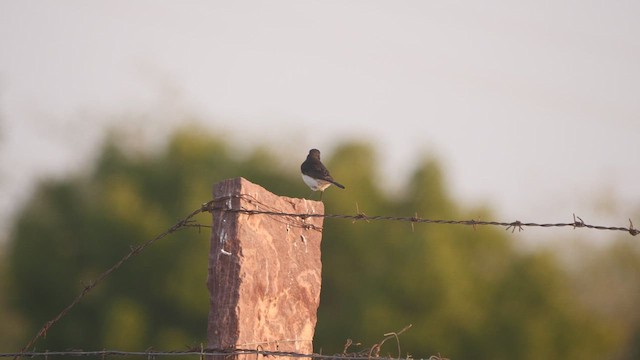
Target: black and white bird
column 315, row 175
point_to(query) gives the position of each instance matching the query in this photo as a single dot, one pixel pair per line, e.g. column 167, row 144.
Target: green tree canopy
column 468, row 293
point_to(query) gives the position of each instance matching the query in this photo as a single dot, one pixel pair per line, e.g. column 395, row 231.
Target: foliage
column 468, row 294
column 607, row 281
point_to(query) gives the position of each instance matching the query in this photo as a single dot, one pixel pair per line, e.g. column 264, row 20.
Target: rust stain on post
column 264, row 271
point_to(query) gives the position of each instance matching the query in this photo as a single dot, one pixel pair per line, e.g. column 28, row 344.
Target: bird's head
column 314, row 153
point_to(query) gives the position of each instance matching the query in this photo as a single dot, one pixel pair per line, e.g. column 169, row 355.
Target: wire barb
column 515, row 225
column 633, row 231
column 360, row 215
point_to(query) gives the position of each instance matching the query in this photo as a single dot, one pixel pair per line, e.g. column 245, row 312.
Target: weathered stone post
column 264, row 270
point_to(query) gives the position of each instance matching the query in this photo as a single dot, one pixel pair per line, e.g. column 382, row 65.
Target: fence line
column 103, row 354
column 365, row 354
column 134, row 251
column 224, row 204
column 153, row 353
column 201, row 353
column 513, row 225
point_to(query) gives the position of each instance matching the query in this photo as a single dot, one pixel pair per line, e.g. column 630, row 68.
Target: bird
column 315, row 175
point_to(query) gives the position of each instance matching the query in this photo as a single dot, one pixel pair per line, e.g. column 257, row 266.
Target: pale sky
column 533, row 107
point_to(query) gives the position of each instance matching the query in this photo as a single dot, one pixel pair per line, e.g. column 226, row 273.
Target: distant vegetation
column 468, row 293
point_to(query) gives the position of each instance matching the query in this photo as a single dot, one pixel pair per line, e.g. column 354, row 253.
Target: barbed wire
column 214, row 205
column 134, row 251
column 150, row 354
column 360, row 216
column 103, row 354
column 200, row 353
column 368, row 353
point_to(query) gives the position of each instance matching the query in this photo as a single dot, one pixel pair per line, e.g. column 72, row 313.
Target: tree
column 606, row 280
column 469, row 294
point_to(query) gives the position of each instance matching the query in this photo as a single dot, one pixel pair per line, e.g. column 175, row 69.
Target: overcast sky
column 533, row 107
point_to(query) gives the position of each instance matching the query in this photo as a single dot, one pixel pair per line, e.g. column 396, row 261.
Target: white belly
column 315, row 184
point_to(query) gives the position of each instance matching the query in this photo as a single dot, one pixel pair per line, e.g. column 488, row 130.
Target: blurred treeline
column 470, row 294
